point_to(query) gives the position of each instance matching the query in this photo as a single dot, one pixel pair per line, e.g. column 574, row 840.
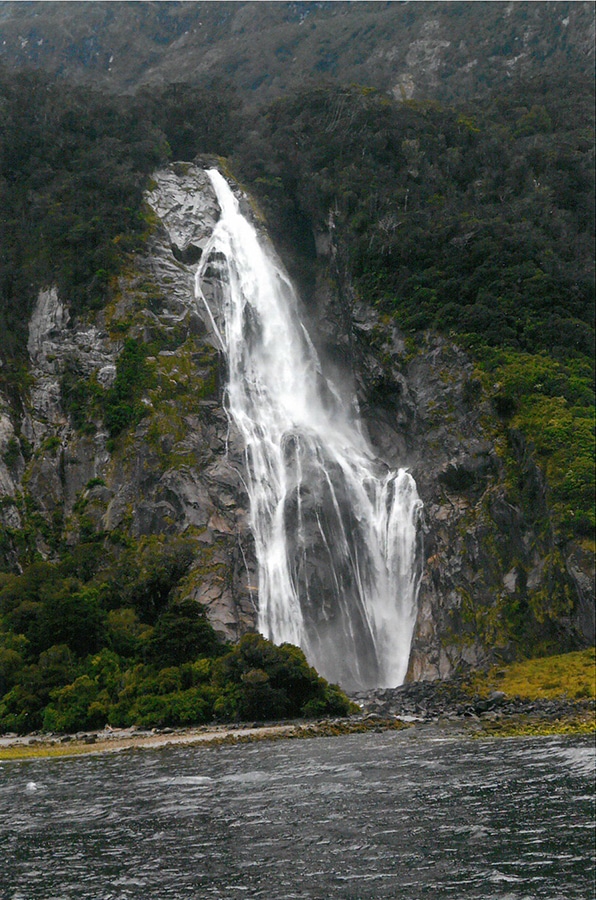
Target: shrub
column 70, row 707
column 181, row 634
column 122, row 405
column 261, row 680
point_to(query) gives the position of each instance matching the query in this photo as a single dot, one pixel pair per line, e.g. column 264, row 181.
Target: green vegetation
column 72, row 171
column 122, row 406
column 571, row 675
column 73, row 166
column 524, row 726
column 86, row 643
column 81, row 396
column 474, row 221
column 139, row 385
column 567, row 676
column 551, row 403
column 458, row 222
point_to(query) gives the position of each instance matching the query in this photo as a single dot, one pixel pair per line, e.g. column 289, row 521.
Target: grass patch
column 41, row 751
column 571, row 675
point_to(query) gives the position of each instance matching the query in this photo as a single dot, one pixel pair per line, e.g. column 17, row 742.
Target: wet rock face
column 178, row 470
column 484, row 555
column 493, row 572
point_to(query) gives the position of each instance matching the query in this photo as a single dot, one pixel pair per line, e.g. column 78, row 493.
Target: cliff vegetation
column 474, row 221
column 106, row 637
column 467, row 224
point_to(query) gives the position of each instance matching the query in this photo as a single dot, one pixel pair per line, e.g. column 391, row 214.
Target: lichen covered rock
column 172, row 466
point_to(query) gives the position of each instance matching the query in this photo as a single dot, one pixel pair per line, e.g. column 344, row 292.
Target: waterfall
column 334, row 529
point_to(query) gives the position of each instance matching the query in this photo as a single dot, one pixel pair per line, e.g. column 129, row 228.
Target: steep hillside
column 444, row 50
column 122, row 469
column 123, row 502
column 444, row 254
column 413, row 220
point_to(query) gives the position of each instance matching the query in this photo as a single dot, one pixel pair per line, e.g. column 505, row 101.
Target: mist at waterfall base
column 335, row 530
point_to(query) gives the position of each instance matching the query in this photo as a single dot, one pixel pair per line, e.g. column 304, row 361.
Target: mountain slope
column 444, row 252
column 438, row 49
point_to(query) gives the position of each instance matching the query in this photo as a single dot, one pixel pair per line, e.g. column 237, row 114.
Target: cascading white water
column 334, row 529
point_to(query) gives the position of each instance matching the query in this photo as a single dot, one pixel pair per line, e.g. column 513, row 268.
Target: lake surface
column 391, row 815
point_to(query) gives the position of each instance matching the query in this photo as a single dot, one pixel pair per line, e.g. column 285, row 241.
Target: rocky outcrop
column 424, row 702
column 492, row 571
column 178, row 471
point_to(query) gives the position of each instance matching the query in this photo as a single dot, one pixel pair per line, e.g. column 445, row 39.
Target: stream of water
column 364, row 817
column 334, row 528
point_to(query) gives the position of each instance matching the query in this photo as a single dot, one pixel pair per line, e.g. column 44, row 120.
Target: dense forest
column 93, row 640
column 475, row 221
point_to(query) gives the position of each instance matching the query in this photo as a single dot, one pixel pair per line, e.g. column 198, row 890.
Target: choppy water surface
column 366, row 816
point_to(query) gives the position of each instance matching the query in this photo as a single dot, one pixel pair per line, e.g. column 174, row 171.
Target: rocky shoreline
column 428, row 700
column 15, row 747
column 420, row 706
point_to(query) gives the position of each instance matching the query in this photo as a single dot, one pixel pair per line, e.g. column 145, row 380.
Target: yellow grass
column 571, row 675
column 38, row 751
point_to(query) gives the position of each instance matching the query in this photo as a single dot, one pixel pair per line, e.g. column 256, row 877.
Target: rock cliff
column 179, row 469
column 495, row 574
column 174, row 465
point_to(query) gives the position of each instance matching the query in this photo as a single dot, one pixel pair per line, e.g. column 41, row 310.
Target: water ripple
column 363, row 817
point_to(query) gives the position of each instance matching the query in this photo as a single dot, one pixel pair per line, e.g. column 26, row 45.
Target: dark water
column 366, row 816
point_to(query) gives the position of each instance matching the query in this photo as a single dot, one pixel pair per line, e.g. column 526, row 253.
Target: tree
column 182, row 634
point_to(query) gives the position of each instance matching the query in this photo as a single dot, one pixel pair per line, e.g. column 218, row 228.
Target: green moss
column 94, row 482
column 81, row 397
column 518, row 619
column 148, row 217
column 12, row 452
column 551, row 404
column 523, row 726
column 554, row 598
column 204, row 568
column 122, row 406
column 50, row 444
column 571, row 675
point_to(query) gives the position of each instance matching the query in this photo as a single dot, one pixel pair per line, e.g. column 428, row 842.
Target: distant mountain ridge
column 445, row 50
